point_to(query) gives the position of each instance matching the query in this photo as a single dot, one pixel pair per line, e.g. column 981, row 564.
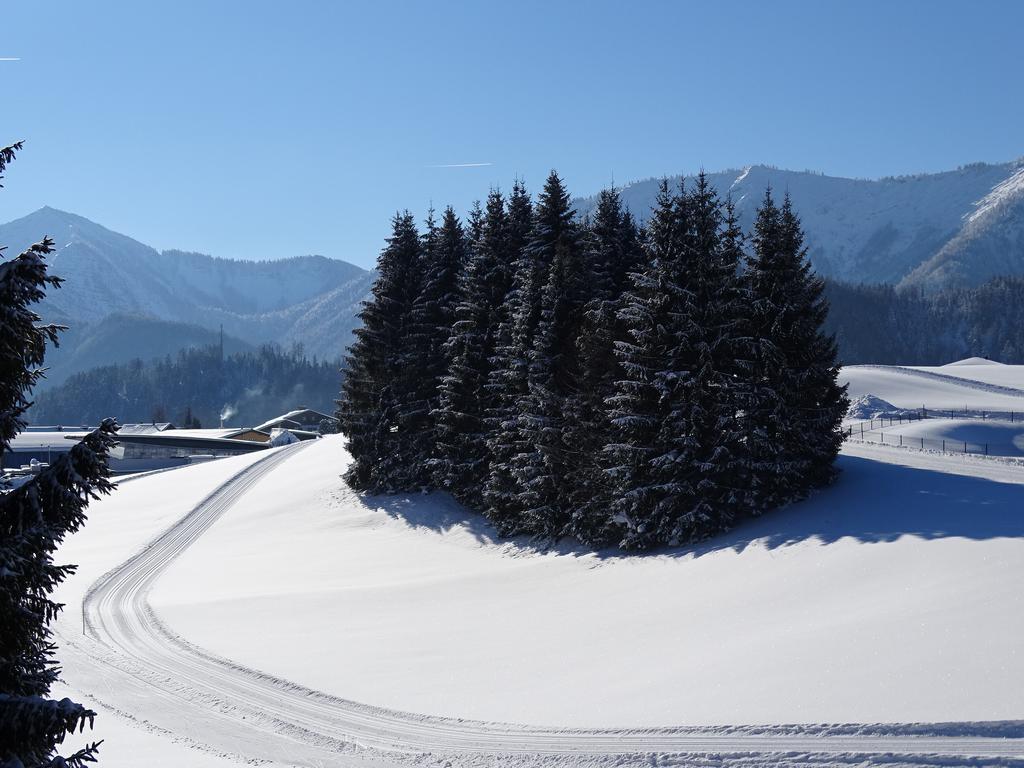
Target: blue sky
column 263, row 130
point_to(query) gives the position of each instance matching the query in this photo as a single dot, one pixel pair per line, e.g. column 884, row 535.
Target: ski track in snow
column 128, row 655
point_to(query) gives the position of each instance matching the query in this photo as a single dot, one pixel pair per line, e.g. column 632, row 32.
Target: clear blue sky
column 261, row 130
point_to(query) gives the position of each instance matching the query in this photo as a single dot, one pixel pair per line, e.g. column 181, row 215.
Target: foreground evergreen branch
column 35, row 518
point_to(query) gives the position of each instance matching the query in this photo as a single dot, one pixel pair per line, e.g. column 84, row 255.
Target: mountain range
column 124, row 299
column 935, row 231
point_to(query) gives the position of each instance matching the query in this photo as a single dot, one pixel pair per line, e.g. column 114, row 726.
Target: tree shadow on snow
column 436, row 511
column 871, row 502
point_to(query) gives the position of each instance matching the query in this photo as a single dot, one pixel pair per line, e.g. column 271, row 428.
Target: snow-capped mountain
column 112, row 278
column 953, row 228
column 990, row 243
column 957, row 228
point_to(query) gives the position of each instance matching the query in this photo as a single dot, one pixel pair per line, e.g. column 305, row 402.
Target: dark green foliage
column 461, row 454
column 612, row 253
column 379, row 410
column 638, row 406
column 433, row 316
column 550, row 315
column 507, row 379
column 623, row 388
column 797, row 405
column 35, row 518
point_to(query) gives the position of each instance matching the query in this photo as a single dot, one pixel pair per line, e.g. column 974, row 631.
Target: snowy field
column 892, row 597
column 995, row 437
column 412, row 605
column 971, row 384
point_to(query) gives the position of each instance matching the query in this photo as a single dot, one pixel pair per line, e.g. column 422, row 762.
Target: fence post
column 922, row 443
column 965, row 446
column 901, row 441
column 986, row 449
column 943, row 446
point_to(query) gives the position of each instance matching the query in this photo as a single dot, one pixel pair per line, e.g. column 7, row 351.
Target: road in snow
column 131, row 660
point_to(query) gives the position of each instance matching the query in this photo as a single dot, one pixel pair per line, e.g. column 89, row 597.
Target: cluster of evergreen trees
column 193, row 388
column 621, row 384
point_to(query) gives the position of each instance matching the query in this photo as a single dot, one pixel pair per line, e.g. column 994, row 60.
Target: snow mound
column 972, row 361
column 871, row 407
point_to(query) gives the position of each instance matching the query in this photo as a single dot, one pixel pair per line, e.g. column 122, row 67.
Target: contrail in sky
column 460, row 165
column 10, row 58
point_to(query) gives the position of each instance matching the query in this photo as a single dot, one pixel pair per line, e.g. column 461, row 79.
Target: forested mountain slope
column 249, row 387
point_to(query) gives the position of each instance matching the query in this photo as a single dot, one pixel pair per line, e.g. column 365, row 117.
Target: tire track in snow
column 125, row 634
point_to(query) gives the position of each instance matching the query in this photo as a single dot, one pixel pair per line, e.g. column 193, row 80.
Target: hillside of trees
column 883, row 324
column 622, row 385
column 193, row 388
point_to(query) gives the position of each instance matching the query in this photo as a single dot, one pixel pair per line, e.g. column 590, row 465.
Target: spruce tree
column 705, row 406
column 639, row 406
column 432, row 317
column 378, row 410
column 35, row 518
column 460, row 431
column 818, row 401
column 611, row 253
column 507, row 380
column 547, row 321
column 796, row 402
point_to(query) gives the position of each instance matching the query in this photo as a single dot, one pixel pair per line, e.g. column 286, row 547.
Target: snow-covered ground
column 836, row 610
column 994, row 437
column 975, row 386
column 891, row 598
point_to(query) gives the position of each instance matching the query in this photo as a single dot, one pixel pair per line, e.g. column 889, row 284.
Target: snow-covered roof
column 27, row 441
column 296, row 418
column 145, row 429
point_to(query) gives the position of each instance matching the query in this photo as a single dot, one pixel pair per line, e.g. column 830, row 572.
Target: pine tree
column 818, row 401
column 34, row 519
column 796, row 402
column 378, row 410
column 639, row 406
column 553, row 372
column 460, row 431
column 705, row 405
column 433, row 315
column 507, row 380
column 767, row 281
column 611, row 254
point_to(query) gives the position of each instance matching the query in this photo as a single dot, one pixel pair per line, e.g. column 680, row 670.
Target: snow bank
column 871, row 407
column 891, row 597
column 972, row 361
